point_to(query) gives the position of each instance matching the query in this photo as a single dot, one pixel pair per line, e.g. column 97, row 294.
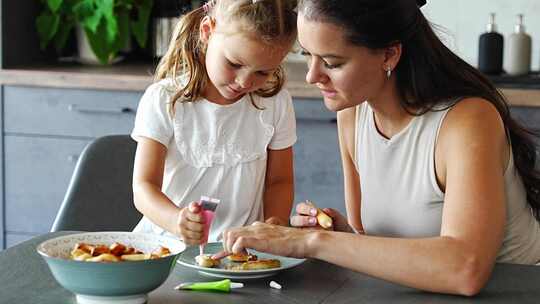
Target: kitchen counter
column 524, row 91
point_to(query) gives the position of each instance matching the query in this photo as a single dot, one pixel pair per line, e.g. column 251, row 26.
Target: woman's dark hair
column 428, row 74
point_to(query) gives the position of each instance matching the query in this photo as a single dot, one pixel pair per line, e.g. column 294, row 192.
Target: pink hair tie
column 208, row 5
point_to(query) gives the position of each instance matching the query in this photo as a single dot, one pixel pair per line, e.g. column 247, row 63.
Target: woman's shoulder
column 474, row 111
column 472, row 119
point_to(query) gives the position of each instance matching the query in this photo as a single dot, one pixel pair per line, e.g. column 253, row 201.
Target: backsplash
column 463, row 21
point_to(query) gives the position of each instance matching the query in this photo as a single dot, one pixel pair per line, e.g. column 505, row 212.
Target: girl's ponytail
column 185, row 56
column 273, row 21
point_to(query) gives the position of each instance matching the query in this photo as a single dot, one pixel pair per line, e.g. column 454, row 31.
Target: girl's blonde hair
column 273, row 21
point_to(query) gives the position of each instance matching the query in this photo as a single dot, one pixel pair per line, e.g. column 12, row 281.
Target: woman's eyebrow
column 326, row 56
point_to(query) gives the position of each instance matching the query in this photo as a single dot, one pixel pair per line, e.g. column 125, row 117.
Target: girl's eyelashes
column 234, row 65
column 239, row 66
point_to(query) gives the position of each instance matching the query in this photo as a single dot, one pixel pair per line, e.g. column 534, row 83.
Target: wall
column 465, row 20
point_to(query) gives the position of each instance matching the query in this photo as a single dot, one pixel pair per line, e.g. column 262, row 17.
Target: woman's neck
column 389, row 115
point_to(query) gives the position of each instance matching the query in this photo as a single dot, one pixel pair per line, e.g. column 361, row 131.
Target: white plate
column 187, row 258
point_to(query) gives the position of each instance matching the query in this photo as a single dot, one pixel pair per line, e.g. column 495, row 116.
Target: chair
column 100, row 195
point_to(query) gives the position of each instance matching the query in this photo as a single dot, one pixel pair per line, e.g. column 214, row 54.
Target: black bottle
column 490, row 49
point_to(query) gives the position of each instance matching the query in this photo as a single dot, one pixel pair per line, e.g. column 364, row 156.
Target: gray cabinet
column 318, row 172
column 527, row 116
column 45, row 129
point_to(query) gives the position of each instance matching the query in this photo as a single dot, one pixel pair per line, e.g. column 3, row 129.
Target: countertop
column 520, row 91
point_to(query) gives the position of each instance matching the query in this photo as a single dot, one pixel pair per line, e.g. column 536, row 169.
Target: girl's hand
column 306, row 217
column 274, row 239
column 190, row 224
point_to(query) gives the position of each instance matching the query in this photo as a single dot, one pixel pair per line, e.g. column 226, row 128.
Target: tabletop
column 25, row 278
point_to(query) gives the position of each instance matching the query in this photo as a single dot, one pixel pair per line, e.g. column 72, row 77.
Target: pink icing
column 208, row 217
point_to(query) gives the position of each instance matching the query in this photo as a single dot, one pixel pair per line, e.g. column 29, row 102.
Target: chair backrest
column 100, row 195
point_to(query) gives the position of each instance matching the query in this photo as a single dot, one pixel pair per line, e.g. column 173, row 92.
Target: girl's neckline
column 224, row 106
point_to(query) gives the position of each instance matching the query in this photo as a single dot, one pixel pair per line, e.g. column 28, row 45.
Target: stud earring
column 388, row 72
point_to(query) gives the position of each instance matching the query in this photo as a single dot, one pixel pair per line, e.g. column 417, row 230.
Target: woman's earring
column 388, row 72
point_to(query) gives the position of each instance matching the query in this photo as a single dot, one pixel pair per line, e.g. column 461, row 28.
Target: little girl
column 217, row 123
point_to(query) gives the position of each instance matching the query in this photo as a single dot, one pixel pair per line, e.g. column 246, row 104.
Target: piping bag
column 208, row 206
column 221, row 286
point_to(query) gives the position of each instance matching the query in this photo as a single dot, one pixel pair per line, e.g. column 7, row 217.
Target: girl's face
column 236, row 62
column 347, row 75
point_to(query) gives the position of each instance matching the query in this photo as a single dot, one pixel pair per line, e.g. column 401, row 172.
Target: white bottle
column 518, row 57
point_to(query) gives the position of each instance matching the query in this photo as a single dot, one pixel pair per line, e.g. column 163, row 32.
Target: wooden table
column 25, row 278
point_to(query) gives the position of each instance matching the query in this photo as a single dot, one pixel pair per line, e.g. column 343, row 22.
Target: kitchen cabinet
column 44, row 131
column 317, row 162
column 527, row 116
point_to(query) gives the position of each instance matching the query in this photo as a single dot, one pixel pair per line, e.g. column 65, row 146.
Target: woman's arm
column 279, row 186
column 151, row 201
column 472, row 153
column 351, row 180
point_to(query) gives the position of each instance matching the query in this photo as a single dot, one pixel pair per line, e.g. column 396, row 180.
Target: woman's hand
column 274, row 220
column 306, row 217
column 190, row 224
column 274, row 239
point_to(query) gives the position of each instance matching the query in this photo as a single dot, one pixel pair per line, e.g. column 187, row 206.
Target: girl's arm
column 147, row 194
column 472, row 153
column 279, row 186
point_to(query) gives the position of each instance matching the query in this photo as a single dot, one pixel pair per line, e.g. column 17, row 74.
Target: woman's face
column 347, row 75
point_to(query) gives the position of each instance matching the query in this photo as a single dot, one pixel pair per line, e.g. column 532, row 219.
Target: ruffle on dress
column 201, row 149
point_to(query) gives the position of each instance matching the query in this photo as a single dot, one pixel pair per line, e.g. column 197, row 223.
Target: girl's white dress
column 215, row 150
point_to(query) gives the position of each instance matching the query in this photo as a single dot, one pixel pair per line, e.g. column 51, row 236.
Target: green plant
column 108, row 24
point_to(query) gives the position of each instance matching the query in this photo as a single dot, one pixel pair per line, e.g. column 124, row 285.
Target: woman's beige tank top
column 400, row 194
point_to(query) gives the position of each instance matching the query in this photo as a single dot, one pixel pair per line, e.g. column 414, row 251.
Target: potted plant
column 107, row 25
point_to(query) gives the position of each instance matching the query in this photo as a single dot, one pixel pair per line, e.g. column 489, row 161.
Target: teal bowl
column 121, row 282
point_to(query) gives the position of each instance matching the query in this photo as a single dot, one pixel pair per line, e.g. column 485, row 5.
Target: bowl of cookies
column 111, row 267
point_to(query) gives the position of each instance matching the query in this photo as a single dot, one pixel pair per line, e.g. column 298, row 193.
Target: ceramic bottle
column 490, row 49
column 518, row 57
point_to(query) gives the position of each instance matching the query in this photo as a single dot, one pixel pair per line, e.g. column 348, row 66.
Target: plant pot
column 87, row 56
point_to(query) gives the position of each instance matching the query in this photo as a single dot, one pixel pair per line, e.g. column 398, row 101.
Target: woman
column 439, row 180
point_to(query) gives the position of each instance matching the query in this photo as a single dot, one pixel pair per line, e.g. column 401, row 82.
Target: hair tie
column 208, row 5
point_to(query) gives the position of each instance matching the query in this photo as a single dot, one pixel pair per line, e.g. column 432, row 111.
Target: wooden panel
column 68, row 112
column 37, row 174
column 86, row 77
